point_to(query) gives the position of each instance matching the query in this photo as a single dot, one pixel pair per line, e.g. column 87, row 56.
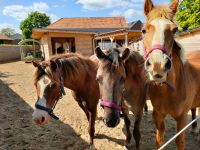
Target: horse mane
column 179, row 51
column 111, row 61
column 72, row 64
column 133, row 64
column 161, row 11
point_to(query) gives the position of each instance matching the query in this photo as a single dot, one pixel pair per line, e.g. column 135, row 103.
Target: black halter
column 61, row 93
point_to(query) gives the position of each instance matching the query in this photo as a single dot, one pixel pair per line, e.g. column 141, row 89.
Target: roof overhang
column 188, row 32
column 118, row 34
column 38, row 33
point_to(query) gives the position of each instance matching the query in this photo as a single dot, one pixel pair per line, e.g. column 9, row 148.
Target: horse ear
column 99, row 53
column 36, row 64
column 53, row 65
column 174, row 6
column 125, row 53
column 148, row 6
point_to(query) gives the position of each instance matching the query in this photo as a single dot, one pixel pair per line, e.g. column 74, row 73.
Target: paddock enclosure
column 18, row 132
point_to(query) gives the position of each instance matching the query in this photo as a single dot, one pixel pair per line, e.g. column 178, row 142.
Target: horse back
column 193, row 68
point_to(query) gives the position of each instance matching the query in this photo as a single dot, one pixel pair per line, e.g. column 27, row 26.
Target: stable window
column 63, row 45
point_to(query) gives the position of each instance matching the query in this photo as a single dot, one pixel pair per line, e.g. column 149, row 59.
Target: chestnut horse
column 74, row 72
column 122, row 80
column 174, row 82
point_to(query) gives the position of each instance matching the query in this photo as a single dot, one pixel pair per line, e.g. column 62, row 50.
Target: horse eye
column 174, row 29
column 99, row 79
column 144, row 31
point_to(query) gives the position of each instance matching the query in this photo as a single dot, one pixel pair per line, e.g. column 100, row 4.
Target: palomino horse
column 174, row 83
column 122, row 76
column 74, row 72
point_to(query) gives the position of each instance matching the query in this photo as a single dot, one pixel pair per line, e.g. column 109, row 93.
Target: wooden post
column 93, row 45
column 101, row 43
column 111, row 40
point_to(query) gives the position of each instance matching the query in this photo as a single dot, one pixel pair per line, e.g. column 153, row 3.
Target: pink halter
column 154, row 47
column 109, row 104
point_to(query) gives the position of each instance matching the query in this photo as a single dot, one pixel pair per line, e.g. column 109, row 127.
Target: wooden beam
column 108, row 35
column 101, row 43
column 111, row 40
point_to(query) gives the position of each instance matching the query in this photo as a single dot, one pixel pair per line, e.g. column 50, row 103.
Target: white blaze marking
column 42, row 101
column 160, row 25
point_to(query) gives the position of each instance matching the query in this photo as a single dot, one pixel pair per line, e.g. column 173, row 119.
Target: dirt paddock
column 18, row 132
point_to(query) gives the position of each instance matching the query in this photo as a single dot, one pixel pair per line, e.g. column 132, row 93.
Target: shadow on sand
column 17, row 131
column 148, row 133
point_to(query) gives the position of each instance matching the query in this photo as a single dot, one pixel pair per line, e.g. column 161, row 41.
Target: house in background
column 119, row 37
column 16, row 38
column 84, row 34
column 5, row 39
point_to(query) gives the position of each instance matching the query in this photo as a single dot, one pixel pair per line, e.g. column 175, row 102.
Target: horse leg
column 194, row 125
column 136, row 130
column 81, row 103
column 92, row 118
column 180, row 140
column 127, row 125
column 160, row 127
column 84, row 109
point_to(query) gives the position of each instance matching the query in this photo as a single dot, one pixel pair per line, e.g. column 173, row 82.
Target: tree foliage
column 34, row 20
column 8, row 32
column 188, row 16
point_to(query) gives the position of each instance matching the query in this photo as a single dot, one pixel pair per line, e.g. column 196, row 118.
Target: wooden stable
column 82, row 35
column 75, row 41
column 118, row 37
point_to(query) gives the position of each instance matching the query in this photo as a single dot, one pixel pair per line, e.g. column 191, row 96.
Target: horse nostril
column 168, row 64
column 158, row 76
column 43, row 119
column 147, row 64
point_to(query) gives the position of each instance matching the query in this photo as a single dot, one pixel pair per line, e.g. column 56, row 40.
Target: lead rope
column 187, row 126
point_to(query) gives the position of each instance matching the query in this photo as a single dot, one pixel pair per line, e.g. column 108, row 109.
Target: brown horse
column 74, row 72
column 171, row 76
column 122, row 76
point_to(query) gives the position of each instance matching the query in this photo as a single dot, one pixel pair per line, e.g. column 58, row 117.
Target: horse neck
column 136, row 77
column 176, row 76
column 75, row 80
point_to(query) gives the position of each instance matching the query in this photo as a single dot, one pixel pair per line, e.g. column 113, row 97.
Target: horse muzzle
column 158, row 66
column 111, row 117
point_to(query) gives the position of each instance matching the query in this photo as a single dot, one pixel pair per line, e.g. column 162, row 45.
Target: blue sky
column 14, row 11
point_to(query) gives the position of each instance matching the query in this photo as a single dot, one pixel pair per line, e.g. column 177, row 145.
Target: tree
column 8, row 32
column 188, row 15
column 34, row 20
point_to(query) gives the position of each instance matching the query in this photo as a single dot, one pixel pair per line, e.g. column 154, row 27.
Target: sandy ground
column 18, row 132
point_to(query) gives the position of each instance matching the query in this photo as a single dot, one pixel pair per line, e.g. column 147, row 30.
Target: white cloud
column 104, row 4
column 53, row 17
column 129, row 13
column 116, row 13
column 21, row 12
column 127, row 8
